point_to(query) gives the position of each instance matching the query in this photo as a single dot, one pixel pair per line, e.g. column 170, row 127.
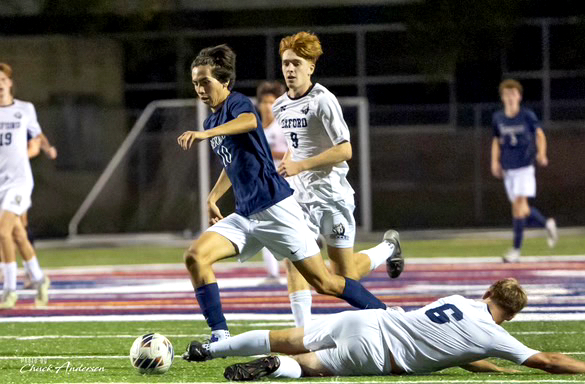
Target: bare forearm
column 541, row 142
column 495, row 151
column 34, row 148
column 222, row 185
column 332, row 156
column 245, row 122
column 484, row 366
column 278, row 155
column 45, row 144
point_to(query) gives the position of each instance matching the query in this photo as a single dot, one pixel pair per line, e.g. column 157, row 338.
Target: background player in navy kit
column 518, row 141
column 266, row 213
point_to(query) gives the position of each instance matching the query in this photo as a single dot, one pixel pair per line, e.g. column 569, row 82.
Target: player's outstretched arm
column 245, row 122
column 484, row 366
column 555, row 363
column 331, row 156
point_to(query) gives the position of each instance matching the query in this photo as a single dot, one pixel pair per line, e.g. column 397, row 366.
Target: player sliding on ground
column 316, row 166
column 451, row 332
column 518, row 142
column 266, row 213
column 17, row 120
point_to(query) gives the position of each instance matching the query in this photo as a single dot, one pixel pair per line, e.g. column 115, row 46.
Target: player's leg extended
column 316, row 273
column 7, row 222
column 299, row 293
column 537, row 220
column 31, row 264
column 209, row 248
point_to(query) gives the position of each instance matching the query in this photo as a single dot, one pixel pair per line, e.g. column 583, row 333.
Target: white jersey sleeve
column 450, row 332
column 33, row 128
column 331, row 115
column 506, row 347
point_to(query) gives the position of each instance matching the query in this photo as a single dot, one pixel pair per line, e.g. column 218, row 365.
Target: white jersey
column 452, row 331
column 312, row 124
column 16, row 122
column 276, row 139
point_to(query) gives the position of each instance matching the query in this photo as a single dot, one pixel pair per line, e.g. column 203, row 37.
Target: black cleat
column 198, row 352
column 395, row 263
column 253, row 370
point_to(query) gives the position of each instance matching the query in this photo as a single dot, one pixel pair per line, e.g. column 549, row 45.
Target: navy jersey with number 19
column 247, row 159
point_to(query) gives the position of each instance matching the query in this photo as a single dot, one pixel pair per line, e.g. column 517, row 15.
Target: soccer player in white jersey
column 316, row 165
column 451, row 332
column 266, row 93
column 17, row 120
column 519, row 142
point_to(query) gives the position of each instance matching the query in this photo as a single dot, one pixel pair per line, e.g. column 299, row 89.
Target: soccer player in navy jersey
column 266, row 213
column 519, row 141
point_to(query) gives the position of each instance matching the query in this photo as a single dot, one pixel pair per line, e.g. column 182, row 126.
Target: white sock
column 300, row 304
column 289, row 368
column 246, row 344
column 10, row 276
column 33, row 269
column 378, row 254
column 270, row 263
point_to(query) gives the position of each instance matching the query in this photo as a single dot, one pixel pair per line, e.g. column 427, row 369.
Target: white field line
column 247, row 265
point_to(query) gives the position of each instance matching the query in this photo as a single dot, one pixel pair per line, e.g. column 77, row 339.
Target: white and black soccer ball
column 152, row 354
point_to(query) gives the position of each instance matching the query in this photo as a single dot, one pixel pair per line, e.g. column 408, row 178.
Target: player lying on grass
column 518, row 143
column 451, row 332
column 266, row 213
column 316, row 166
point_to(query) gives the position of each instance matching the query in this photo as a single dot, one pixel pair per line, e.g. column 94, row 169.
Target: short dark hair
column 222, row 60
column 274, row 88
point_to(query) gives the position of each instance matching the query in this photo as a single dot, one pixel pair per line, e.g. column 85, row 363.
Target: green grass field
column 98, row 345
column 573, row 245
column 55, row 349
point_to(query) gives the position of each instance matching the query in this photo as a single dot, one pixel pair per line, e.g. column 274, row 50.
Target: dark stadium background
column 430, row 152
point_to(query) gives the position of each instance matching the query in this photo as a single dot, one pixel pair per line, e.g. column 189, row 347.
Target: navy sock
column 536, row 219
column 209, row 301
column 518, row 232
column 355, row 294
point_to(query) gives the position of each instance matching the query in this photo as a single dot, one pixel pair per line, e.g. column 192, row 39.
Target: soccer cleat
column 253, row 370
column 552, row 235
column 395, row 262
column 512, row 256
column 198, row 352
column 9, row 299
column 42, row 298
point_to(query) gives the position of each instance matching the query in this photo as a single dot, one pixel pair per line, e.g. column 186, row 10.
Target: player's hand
column 497, row 170
column 289, row 168
column 542, row 160
column 187, row 139
column 214, row 213
column 51, row 153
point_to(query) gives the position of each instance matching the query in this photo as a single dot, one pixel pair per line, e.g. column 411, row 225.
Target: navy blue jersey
column 247, row 159
column 517, row 136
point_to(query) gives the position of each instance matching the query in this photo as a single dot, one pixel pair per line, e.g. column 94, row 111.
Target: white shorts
column 16, row 200
column 333, row 220
column 520, row 182
column 349, row 344
column 280, row 228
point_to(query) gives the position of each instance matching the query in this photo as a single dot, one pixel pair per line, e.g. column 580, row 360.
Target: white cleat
column 9, row 299
column 42, row 299
column 512, row 256
column 552, row 235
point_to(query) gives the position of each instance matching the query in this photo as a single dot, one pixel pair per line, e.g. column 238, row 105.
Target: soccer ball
column 152, row 354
